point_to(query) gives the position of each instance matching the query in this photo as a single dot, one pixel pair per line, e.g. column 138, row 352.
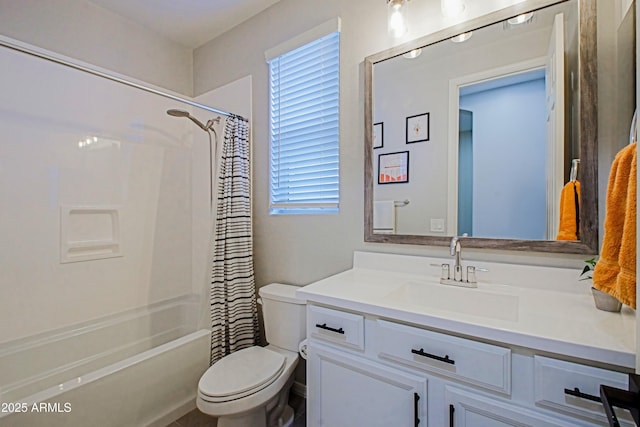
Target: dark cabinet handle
column 416, row 420
column 452, row 409
column 577, row 393
column 328, row 328
column 444, row 359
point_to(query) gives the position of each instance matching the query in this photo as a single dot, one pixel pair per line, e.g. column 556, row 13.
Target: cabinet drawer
column 572, row 388
column 470, row 408
column 477, row 363
column 338, row 327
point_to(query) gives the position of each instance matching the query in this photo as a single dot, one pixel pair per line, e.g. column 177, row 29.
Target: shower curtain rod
column 48, row 57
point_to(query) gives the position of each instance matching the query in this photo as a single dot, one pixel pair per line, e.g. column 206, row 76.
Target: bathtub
column 138, row 368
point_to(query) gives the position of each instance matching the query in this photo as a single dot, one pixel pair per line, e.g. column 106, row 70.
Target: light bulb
column 462, row 37
column 397, row 22
column 521, row 19
column 412, row 54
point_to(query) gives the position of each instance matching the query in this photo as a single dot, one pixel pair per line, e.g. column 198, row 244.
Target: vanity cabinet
column 363, row 370
column 352, row 391
column 468, row 409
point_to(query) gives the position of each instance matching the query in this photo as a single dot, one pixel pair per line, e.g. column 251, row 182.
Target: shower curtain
column 234, row 316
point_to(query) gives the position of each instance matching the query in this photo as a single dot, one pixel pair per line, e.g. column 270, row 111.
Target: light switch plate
column 437, row 225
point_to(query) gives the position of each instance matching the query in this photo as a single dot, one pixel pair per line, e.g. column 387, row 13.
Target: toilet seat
column 241, row 374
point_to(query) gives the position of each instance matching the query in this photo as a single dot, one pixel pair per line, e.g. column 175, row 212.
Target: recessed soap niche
column 89, row 233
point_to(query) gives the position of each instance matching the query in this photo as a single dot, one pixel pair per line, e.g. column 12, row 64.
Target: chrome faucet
column 454, row 251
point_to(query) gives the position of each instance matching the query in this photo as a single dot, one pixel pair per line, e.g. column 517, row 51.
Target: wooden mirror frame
column 587, row 135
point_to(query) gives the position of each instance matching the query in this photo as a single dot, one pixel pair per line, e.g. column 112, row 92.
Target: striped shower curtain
column 234, row 317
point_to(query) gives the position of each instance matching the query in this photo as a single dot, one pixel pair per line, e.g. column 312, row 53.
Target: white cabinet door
column 468, row 409
column 348, row 391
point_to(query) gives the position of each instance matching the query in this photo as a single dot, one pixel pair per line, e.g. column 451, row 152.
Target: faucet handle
column 444, row 270
column 471, row 273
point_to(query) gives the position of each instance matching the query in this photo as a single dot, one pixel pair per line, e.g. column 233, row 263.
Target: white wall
column 623, row 7
column 82, row 30
column 139, row 167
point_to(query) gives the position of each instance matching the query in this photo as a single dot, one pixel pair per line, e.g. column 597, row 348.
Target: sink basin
column 474, row 302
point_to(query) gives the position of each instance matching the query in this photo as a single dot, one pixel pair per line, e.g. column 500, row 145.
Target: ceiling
column 188, row 22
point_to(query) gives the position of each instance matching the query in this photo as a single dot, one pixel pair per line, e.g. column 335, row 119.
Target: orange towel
column 615, row 272
column 569, row 212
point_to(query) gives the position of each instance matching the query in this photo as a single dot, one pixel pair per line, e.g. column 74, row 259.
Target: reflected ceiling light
column 95, row 143
column 412, row 53
column 452, row 8
column 462, row 37
column 521, row 19
column 397, row 17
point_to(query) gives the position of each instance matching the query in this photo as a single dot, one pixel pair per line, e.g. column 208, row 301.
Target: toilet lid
column 241, row 372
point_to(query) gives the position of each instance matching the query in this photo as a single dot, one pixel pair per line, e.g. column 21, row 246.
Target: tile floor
column 196, row 418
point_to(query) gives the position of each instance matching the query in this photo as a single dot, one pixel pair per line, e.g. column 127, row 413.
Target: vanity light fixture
column 520, row 19
column 452, row 8
column 462, row 37
column 412, row 54
column 397, row 17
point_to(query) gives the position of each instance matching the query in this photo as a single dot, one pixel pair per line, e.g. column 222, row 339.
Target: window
column 304, row 131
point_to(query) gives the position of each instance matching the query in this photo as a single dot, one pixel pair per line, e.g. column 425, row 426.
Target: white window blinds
column 304, row 131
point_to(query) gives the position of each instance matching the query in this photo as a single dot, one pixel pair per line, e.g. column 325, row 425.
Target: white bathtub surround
column 506, row 350
column 152, row 356
column 89, row 232
column 234, row 314
column 79, row 145
column 99, row 306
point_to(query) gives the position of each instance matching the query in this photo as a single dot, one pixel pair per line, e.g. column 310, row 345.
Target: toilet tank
column 284, row 316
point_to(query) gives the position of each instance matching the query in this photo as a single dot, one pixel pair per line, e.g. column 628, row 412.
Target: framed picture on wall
column 393, row 168
column 378, row 135
column 418, row 128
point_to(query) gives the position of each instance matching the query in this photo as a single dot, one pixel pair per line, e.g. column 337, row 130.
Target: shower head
column 178, row 113
column 182, row 113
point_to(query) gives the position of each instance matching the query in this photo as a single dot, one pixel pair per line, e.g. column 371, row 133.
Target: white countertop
column 548, row 310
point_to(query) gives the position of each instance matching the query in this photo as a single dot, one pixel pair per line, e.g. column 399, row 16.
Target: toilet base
column 286, row 419
column 255, row 418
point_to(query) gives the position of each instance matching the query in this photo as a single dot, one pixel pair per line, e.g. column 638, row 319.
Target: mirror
column 480, row 137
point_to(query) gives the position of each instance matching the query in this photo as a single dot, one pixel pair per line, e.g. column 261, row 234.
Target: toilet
column 250, row 388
